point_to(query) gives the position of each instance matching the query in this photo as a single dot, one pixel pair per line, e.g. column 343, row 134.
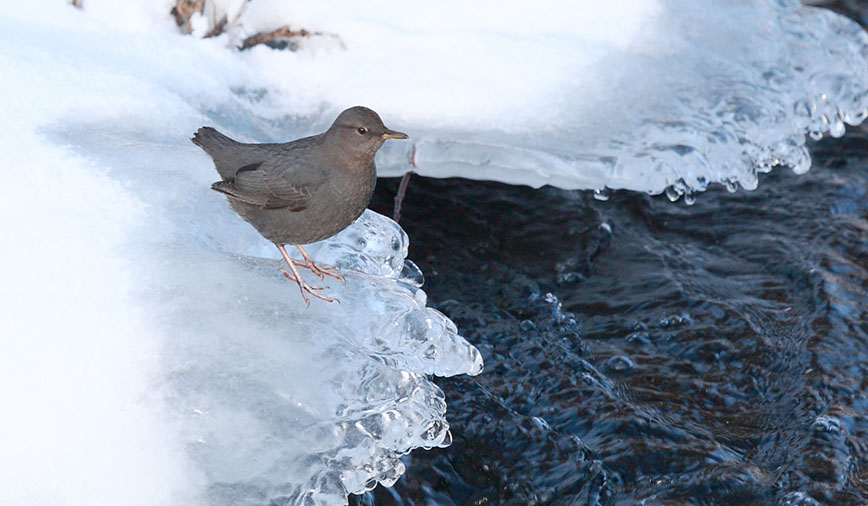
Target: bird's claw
column 292, row 278
column 324, row 297
column 288, row 275
column 306, row 288
column 320, row 271
column 295, row 276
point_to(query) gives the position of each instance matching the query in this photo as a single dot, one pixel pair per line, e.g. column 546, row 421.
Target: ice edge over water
column 130, row 282
column 324, row 400
column 154, row 352
column 679, row 95
column 724, row 118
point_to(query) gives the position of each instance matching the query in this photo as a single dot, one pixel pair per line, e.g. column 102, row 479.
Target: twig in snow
column 284, row 32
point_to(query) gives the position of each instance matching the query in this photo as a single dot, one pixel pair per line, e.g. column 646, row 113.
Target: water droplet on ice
column 601, row 194
column 689, row 198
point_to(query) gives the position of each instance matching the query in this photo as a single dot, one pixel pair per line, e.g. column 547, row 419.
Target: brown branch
column 224, row 23
column 399, row 197
column 217, row 29
column 284, row 32
column 279, row 38
column 184, row 10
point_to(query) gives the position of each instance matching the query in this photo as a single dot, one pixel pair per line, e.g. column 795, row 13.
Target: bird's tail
column 223, row 150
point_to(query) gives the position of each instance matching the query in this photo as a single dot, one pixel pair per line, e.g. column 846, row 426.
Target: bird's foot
column 296, row 277
column 305, row 288
column 318, row 270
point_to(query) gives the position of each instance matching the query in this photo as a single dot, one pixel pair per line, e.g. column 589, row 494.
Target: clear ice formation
column 152, row 352
column 307, row 405
column 721, row 91
column 647, row 95
column 679, row 95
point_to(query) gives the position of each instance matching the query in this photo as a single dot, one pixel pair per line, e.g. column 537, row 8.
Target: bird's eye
column 362, row 130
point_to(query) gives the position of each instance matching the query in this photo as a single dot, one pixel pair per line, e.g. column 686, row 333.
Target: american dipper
column 302, row 191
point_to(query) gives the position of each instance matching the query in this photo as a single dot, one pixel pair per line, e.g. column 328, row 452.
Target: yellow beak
column 391, row 134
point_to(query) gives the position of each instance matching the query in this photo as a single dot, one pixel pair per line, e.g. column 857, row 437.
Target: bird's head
column 361, row 130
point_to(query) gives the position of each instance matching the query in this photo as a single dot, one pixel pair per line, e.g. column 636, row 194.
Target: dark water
column 643, row 352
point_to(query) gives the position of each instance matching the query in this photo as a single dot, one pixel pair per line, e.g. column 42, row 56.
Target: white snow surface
column 647, row 95
column 152, row 354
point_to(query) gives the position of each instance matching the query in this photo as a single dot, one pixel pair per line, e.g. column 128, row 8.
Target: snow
column 654, row 96
column 152, row 352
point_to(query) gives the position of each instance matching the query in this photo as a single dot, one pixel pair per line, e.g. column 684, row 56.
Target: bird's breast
column 336, row 204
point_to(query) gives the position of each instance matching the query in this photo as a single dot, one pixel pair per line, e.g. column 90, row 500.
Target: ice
column 283, row 401
column 153, row 354
column 641, row 95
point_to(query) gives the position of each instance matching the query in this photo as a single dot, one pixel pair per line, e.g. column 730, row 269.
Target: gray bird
column 302, row 191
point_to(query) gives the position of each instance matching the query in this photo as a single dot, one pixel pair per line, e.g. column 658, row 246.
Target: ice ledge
column 729, row 91
column 277, row 400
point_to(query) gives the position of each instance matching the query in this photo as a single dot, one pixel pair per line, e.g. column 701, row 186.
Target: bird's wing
column 255, row 184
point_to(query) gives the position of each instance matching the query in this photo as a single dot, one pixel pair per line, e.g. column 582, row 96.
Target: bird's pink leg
column 302, row 285
column 318, row 270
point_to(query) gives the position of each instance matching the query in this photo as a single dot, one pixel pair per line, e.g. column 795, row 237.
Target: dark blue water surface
column 640, row 351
